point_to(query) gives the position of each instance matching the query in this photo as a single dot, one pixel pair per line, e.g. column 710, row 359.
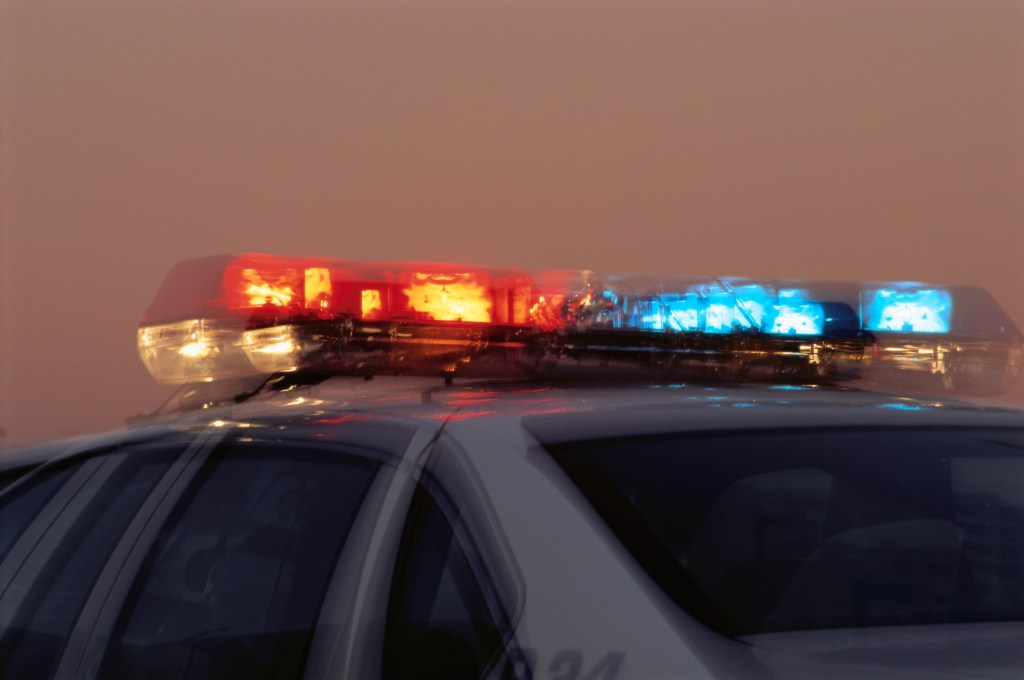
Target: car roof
column 562, row 410
column 551, row 411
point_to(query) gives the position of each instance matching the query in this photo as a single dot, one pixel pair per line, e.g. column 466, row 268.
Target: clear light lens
column 196, row 350
column 273, row 350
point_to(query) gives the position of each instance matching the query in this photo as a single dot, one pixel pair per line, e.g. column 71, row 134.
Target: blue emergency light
column 907, row 310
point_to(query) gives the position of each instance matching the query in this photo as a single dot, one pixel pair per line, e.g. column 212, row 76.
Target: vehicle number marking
column 567, row 664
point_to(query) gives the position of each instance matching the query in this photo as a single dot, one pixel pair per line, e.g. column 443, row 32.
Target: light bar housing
column 231, row 316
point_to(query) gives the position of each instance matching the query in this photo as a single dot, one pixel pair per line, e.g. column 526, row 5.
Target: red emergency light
column 227, row 316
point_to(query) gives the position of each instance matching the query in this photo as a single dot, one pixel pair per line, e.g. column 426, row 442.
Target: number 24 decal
column 565, row 665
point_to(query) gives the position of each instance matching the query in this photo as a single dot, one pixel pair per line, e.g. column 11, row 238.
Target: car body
column 401, row 527
column 423, row 470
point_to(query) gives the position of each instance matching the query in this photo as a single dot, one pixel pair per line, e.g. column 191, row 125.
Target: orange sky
column 866, row 139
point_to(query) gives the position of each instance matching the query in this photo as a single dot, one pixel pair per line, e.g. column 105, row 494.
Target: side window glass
column 51, row 587
column 442, row 618
column 19, row 507
column 233, row 585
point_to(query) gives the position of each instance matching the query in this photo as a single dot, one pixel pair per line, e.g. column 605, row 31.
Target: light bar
column 238, row 315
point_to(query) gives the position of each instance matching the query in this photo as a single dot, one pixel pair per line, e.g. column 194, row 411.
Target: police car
column 430, row 471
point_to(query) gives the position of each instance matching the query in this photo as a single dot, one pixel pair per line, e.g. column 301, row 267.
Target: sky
column 867, row 139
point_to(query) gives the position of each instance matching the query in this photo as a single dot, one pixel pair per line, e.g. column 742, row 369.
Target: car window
column 52, row 582
column 771, row 530
column 442, row 619
column 21, row 505
column 232, row 587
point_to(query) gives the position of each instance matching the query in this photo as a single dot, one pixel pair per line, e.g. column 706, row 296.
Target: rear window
column 767, row 531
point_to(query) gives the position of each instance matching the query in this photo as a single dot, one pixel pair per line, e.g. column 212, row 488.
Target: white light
column 282, row 347
column 196, row 348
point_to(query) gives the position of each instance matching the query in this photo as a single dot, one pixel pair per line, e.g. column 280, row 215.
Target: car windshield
column 772, row 530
